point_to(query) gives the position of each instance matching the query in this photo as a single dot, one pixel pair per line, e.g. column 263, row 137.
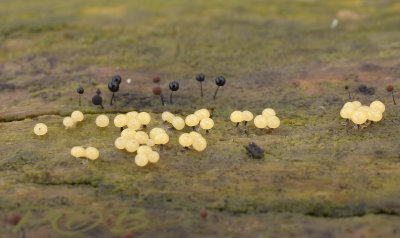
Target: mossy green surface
column 318, row 178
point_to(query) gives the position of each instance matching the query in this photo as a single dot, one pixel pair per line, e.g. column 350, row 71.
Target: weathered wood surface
column 317, row 178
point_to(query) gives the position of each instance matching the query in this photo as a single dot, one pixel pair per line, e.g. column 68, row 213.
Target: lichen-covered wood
column 317, row 178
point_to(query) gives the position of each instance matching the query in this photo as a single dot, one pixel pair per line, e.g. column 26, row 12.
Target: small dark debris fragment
column 52, row 62
column 106, row 186
column 362, row 88
column 332, row 100
column 365, row 90
column 352, row 77
column 255, row 150
column 370, row 91
column 370, row 67
column 6, row 86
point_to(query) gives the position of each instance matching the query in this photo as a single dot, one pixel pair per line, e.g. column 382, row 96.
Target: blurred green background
column 179, row 37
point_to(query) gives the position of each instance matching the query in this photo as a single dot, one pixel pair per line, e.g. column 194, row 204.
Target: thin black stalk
column 112, row 98
column 162, row 99
column 394, row 101
column 215, row 94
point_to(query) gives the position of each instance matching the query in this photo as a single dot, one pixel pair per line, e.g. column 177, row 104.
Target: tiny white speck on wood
column 334, row 23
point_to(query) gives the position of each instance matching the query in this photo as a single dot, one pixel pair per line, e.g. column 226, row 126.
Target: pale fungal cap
column 207, row 123
column 268, row 112
column 260, row 121
column 237, row 116
column 161, row 139
column 273, row 122
column 150, row 142
column 132, row 114
column 202, row 113
column 40, row 129
column 78, row 152
column 195, row 134
column 142, row 137
column 192, row 120
column 120, row 143
column 141, row 160
column 102, row 120
column 185, row 140
column 364, row 108
column 68, row 122
column 77, row 116
column 247, row 116
column 153, row 156
column 128, row 133
column 359, row 117
column 178, row 123
column 155, row 131
column 378, row 105
column 131, row 145
column 350, row 105
column 134, row 124
column 357, row 104
column 92, row 153
column 374, row 115
column 144, row 118
column 120, row 120
column 167, row 116
column 346, row 112
column 199, row 144
column 144, row 150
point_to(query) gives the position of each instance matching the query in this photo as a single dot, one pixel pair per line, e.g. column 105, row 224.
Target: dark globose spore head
column 80, row 90
column 174, row 86
column 117, row 79
column 98, row 92
column 156, row 79
column 220, row 81
column 200, row 77
column 97, row 100
column 157, row 90
column 113, row 86
column 389, row 88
